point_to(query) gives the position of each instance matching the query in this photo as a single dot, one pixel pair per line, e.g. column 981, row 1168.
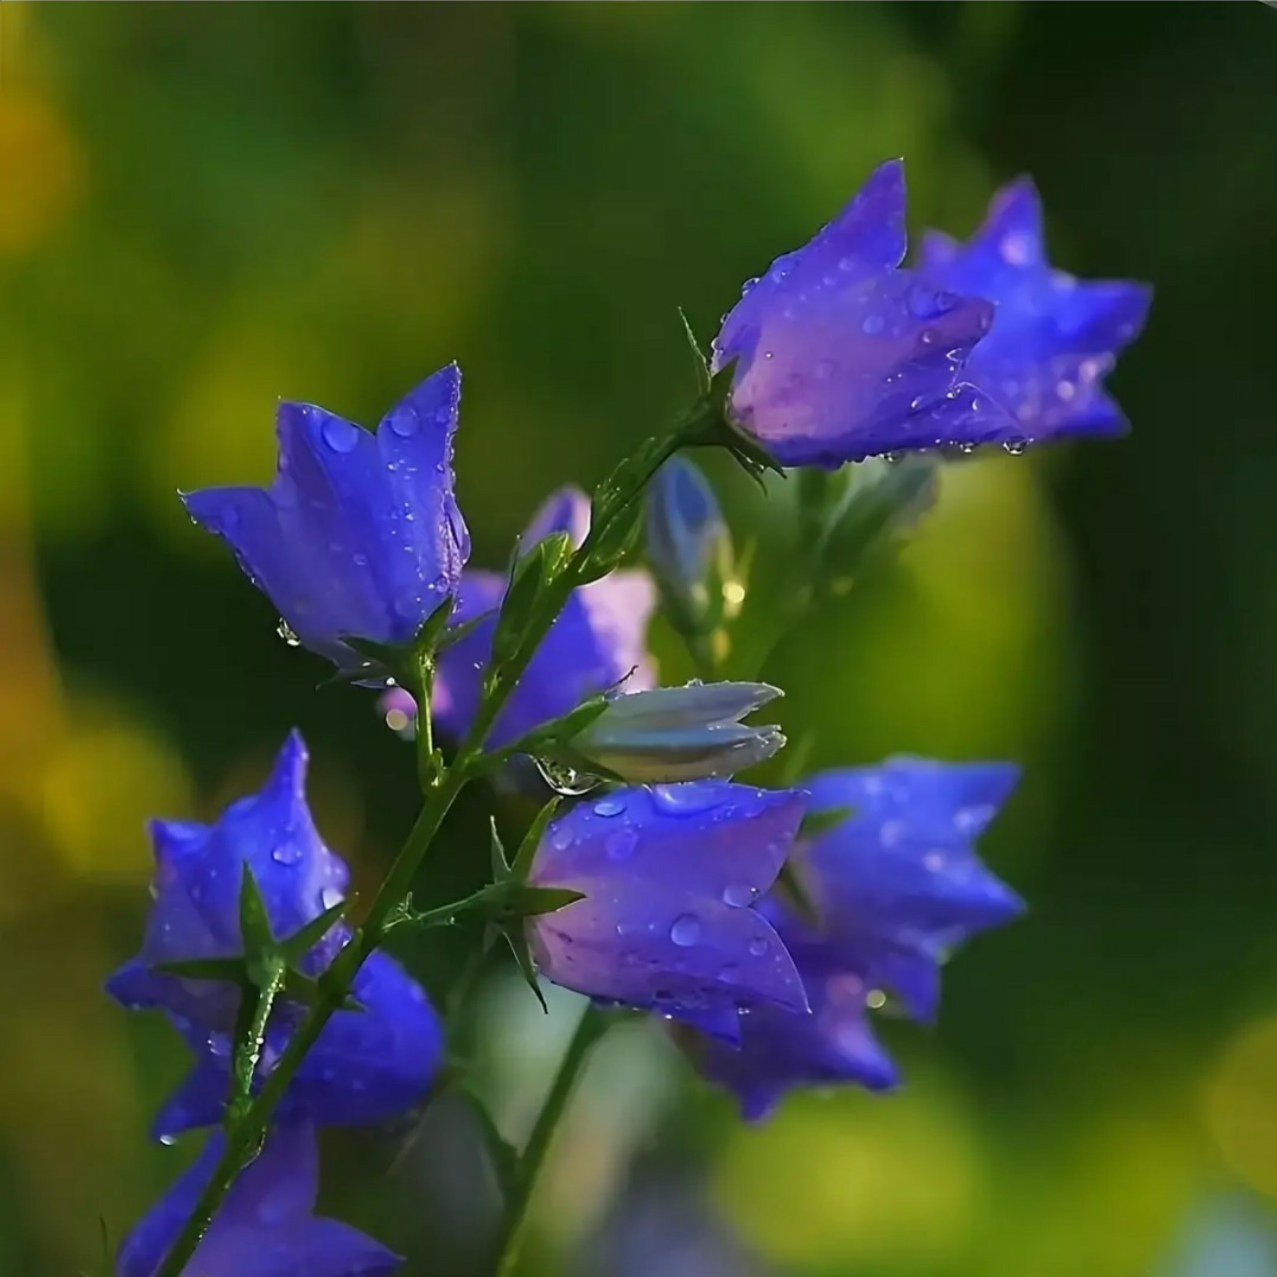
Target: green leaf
column 306, row 990
column 454, row 635
column 502, row 1155
column 616, row 541
column 297, row 946
column 532, row 839
column 529, row 578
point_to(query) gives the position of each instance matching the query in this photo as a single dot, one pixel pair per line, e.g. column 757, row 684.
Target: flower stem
column 246, row 1128
column 588, row 1031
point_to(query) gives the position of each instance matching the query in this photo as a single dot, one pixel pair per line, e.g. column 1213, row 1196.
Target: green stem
column 247, row 1130
column 588, row 1030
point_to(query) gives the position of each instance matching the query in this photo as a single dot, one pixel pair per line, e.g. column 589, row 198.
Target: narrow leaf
column 500, row 861
column 254, row 920
column 231, row 970
column 527, row 968
column 700, row 365
column 530, row 901
column 503, row 1156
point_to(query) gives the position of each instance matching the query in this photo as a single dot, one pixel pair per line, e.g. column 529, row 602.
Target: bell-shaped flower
column 670, row 877
column 266, row 1227
column 367, row 1065
column 359, row 535
column 598, row 641
column 670, row 734
column 839, row 354
column 1054, row 337
column 886, row 894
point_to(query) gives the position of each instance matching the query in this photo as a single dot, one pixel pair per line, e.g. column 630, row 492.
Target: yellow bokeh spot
column 105, row 778
column 41, row 172
column 1241, row 1106
column 855, row 1179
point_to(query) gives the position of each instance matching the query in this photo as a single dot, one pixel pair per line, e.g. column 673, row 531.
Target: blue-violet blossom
column 840, row 354
column 670, row 876
column 1054, row 338
column 367, row 1065
column 266, row 1227
column 895, row 887
column 359, row 535
column 598, row 641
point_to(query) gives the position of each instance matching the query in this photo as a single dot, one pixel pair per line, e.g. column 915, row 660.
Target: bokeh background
column 204, row 208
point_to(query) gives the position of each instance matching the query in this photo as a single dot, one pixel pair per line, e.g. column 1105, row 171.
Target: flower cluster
column 764, row 925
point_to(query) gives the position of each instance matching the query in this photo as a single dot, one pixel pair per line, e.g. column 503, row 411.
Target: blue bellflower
column 670, row 877
column 360, row 534
column 686, row 532
column 1054, row 338
column 598, row 641
column 895, row 887
column 840, row 354
column 368, row 1065
column 265, row 1228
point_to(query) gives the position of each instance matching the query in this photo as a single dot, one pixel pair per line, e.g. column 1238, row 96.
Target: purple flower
column 598, row 640
column 367, row 1065
column 841, row 355
column 670, row 876
column 1054, row 338
column 266, row 1226
column 895, row 887
column 360, row 534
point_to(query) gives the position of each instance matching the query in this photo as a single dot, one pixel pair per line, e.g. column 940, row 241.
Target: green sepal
column 532, row 840
column 254, row 921
column 518, row 943
column 454, row 635
column 496, row 850
column 532, row 901
column 297, row 946
column 308, row 991
column 530, row 575
column 816, row 823
column 709, row 424
column 226, row 970
column 502, row 1155
column 700, row 365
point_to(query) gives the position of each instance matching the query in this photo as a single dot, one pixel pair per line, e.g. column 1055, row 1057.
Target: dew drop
column 404, row 422
column 686, row 930
column 287, row 633
column 340, row 435
column 873, row 325
column 330, row 896
column 738, row 895
column 758, row 946
column 609, row 807
column 168, row 1140
column 286, row 853
column 876, row 999
column 1014, row 447
column 933, row 861
column 684, row 800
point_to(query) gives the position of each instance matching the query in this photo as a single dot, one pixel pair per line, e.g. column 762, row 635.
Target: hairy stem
column 246, row 1129
column 588, row 1030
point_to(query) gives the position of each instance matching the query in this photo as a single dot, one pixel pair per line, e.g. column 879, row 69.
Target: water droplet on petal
column 758, row 946
column 933, row 861
column 686, row 930
column 168, row 1140
column 873, row 325
column 340, row 435
column 609, row 807
column 330, row 896
column 286, row 853
column 287, row 633
column 403, row 422
column 683, row 800
column 738, row 895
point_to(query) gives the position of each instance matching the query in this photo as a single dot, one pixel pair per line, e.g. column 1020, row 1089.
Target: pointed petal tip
column 291, row 765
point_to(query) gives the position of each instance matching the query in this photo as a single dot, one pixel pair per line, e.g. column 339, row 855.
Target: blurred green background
column 204, row 208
